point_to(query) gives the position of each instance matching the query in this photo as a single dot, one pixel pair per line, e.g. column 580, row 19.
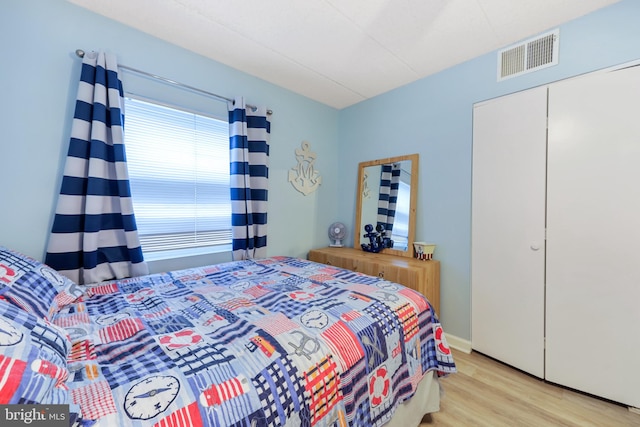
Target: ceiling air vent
column 530, row 55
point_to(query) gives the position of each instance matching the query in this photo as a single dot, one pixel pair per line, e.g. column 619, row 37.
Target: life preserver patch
column 379, row 385
column 7, row 274
column 180, row 339
column 441, row 342
column 301, row 295
column 140, row 295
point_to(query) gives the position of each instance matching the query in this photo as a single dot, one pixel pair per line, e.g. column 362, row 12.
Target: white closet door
column 593, row 235
column 508, row 220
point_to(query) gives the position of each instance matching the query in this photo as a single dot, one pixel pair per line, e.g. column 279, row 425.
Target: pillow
column 32, row 286
column 33, row 355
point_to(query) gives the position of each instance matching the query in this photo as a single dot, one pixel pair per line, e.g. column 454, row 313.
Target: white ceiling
column 340, row 52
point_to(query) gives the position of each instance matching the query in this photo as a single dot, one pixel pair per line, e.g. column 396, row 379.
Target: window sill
column 185, row 253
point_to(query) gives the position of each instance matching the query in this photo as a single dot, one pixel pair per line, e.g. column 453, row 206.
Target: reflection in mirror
column 387, row 191
column 388, row 197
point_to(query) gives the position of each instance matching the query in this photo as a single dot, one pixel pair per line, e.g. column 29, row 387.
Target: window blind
column 179, row 173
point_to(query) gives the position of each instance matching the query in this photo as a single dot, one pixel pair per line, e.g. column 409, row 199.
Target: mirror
column 403, row 171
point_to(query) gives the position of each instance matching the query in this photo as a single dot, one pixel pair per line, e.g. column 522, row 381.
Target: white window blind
column 178, row 165
column 400, row 231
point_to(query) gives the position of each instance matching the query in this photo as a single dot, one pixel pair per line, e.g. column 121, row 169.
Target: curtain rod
column 80, row 53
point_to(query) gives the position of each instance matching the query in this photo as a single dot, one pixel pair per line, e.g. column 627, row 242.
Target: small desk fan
column 337, row 231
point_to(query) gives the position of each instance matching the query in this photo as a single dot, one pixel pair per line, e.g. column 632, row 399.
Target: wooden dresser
column 422, row 276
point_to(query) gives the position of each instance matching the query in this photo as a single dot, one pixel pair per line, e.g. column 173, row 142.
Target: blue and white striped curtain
column 388, row 198
column 249, row 131
column 94, row 235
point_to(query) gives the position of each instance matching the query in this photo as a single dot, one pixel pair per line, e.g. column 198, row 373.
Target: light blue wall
column 39, row 75
column 433, row 117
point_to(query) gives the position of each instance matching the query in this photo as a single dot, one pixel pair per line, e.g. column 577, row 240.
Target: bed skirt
column 426, row 400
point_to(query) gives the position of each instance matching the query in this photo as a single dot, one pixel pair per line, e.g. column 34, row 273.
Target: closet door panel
column 593, row 234
column 508, row 219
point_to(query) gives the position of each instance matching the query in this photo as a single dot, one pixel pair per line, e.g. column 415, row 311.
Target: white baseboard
column 459, row 343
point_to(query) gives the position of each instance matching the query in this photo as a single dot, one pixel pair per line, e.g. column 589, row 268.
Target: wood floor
column 485, row 392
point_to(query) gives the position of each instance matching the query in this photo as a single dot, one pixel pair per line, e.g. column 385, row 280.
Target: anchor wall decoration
column 303, row 176
column 366, row 192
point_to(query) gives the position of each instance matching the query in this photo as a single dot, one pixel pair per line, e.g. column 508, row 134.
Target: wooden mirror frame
column 359, row 230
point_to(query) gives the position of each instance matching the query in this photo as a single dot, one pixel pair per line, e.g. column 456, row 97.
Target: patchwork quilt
column 271, row 342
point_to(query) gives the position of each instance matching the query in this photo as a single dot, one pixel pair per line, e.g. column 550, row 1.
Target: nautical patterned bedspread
column 273, row 342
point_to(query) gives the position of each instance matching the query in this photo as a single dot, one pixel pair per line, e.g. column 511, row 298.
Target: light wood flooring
column 485, row 392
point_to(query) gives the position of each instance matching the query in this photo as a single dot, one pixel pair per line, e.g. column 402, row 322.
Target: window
column 400, row 230
column 178, row 165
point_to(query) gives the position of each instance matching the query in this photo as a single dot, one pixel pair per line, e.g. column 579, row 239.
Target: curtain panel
column 249, row 133
column 94, row 235
column 388, row 198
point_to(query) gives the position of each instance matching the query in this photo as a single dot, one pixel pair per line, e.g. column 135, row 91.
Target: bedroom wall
column 39, row 74
column 433, row 117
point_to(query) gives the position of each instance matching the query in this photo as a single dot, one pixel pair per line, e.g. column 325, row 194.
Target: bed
column 270, row 342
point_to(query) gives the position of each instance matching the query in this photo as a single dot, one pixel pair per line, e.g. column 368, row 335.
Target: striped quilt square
column 344, row 344
column 95, row 399
column 188, row 416
column 278, row 323
column 120, row 331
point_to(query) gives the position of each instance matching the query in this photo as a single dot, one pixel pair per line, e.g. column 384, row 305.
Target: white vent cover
column 530, row 55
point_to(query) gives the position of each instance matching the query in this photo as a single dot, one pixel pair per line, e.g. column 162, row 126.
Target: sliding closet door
column 593, row 235
column 508, row 220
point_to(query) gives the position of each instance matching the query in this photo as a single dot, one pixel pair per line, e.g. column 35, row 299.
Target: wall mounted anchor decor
column 303, row 176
